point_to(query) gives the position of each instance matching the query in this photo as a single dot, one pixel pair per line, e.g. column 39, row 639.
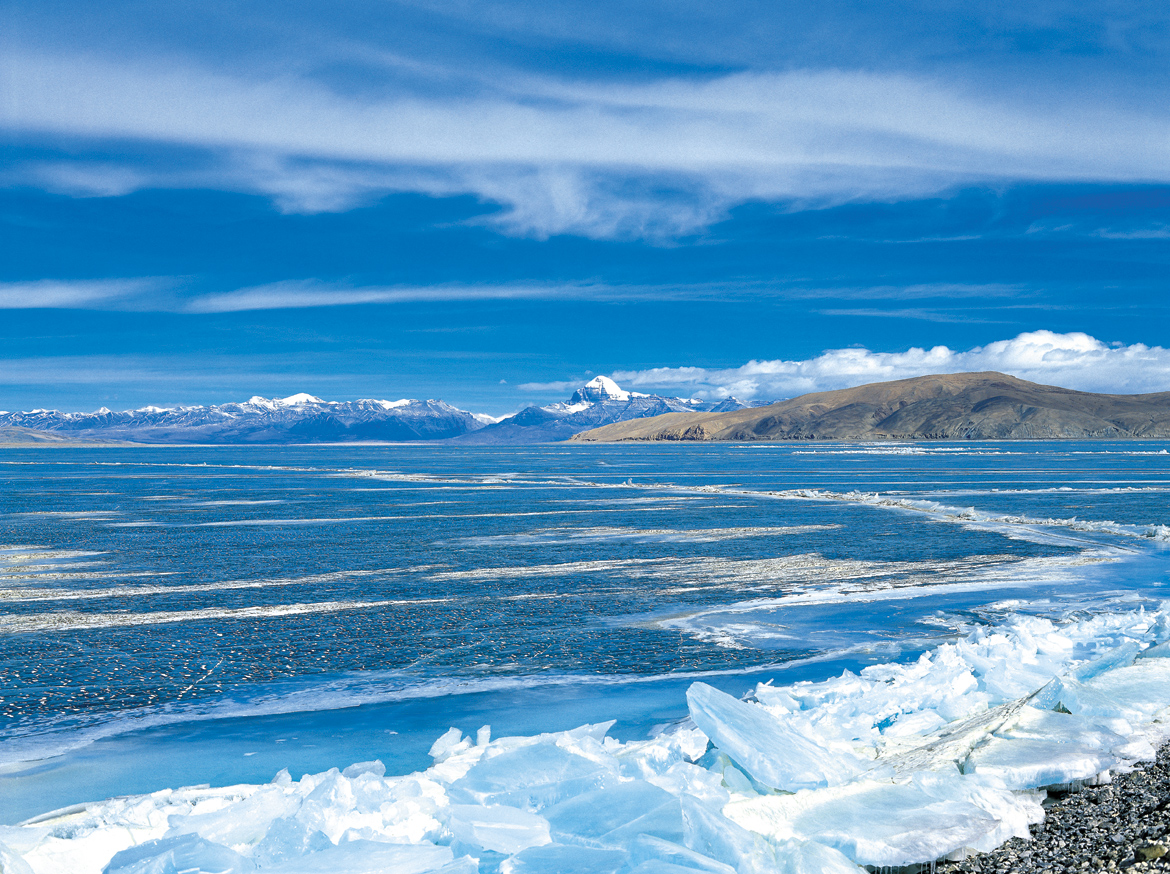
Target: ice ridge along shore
column 899, row 765
column 1125, row 824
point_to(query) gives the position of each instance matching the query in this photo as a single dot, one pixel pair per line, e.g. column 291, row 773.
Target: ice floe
column 896, row 765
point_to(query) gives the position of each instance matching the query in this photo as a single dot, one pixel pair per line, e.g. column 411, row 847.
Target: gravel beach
column 1125, row 825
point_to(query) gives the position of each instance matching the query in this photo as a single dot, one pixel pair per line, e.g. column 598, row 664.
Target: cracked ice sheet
column 897, row 765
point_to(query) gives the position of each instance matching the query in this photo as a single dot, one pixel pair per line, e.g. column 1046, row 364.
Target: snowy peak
column 600, row 388
column 296, row 400
column 302, row 398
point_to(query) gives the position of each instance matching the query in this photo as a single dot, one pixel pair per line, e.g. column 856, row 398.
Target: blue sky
column 491, row 202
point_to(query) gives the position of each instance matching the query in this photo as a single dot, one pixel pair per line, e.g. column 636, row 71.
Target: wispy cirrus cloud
column 952, row 302
column 76, row 294
column 561, row 385
column 1073, row 360
column 167, row 294
column 298, row 294
column 666, row 156
column 921, row 314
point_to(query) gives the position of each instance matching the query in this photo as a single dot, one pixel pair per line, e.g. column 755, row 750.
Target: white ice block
column 613, row 816
column 532, row 777
column 178, row 855
column 497, row 827
column 772, row 752
column 563, row 859
column 369, row 857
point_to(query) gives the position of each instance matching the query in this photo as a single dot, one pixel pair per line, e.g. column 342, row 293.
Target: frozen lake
column 182, row 616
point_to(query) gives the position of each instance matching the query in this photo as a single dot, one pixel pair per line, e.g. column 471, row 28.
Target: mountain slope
column 977, row 406
column 30, row 437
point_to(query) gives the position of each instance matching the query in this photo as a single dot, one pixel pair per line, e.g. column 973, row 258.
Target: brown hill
column 972, row 406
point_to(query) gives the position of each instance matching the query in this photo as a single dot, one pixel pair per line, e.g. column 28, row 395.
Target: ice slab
column 615, row 815
column 497, row 827
column 771, row 751
column 12, row 863
column 564, row 859
column 178, row 855
column 892, row 824
column 373, row 857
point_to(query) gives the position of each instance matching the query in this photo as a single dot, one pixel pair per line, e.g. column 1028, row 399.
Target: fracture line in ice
column 336, row 520
column 555, row 536
column 72, row 620
column 35, row 594
column 753, row 622
column 971, row 515
column 772, row 573
column 897, row 765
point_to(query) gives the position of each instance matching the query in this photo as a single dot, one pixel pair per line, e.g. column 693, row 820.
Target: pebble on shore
column 1124, row 825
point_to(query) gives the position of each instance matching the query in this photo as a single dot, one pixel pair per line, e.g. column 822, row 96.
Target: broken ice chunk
column 653, row 853
column 287, row 839
column 177, row 855
column 1022, row 763
column 498, row 828
column 614, row 815
column 1046, row 748
column 366, row 857
column 713, row 835
column 451, row 743
column 241, row 824
column 1157, row 651
column 872, row 823
column 809, row 857
column 533, row 776
column 561, row 859
column 10, row 863
column 1140, row 691
column 359, row 768
column 765, row 747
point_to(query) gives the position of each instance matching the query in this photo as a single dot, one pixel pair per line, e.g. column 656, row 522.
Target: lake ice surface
column 816, row 656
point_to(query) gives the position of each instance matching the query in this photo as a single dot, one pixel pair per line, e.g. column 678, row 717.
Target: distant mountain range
column 974, row 406
column 303, row 418
column 981, row 406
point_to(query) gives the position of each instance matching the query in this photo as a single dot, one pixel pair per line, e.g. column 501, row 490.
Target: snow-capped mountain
column 598, row 402
column 600, row 388
column 730, row 405
column 301, row 418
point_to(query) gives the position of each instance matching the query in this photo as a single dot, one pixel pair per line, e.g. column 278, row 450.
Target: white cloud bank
column 663, row 157
column 1073, row 360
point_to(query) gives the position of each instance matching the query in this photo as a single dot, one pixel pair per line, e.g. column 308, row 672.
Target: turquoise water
column 174, row 616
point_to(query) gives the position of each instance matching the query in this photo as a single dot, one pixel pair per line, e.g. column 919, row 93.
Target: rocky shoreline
column 1122, row 826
